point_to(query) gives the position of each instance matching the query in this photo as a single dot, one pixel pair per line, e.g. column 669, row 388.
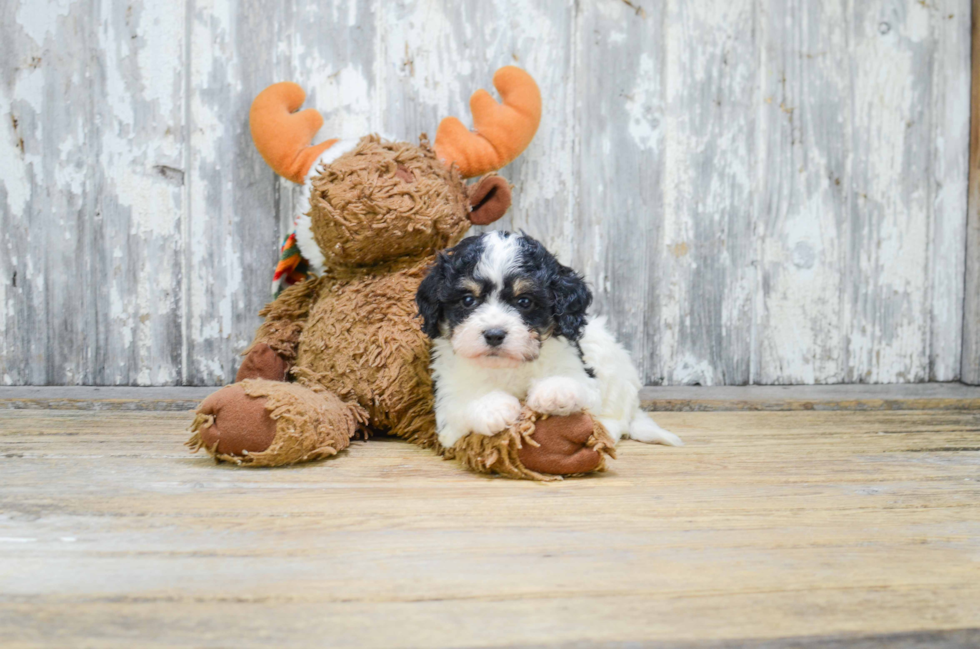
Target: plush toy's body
column 344, row 351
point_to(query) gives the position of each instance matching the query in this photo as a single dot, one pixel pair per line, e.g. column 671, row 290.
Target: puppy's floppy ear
column 489, row 200
column 572, row 298
column 427, row 298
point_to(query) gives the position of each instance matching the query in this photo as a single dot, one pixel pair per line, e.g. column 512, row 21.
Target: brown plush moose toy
column 342, row 351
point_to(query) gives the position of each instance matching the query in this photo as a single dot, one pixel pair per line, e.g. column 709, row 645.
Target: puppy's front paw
column 493, row 413
column 558, row 395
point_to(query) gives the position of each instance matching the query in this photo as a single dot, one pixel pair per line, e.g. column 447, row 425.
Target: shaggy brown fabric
column 502, row 453
column 363, row 342
column 262, row 362
column 285, row 318
column 364, row 212
column 489, row 200
column 310, row 424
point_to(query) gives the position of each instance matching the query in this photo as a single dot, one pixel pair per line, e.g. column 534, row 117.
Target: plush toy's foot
column 272, row 423
column 231, row 423
column 262, row 362
column 539, row 448
column 567, row 445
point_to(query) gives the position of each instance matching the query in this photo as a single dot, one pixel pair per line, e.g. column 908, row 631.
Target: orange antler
column 282, row 135
column 503, row 131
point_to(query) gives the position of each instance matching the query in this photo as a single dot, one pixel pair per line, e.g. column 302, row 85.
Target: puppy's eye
column 468, row 301
column 524, row 303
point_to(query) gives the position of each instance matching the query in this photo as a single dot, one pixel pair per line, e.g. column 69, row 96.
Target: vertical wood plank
column 39, row 223
column 887, row 253
column 92, row 173
column 950, row 109
column 706, row 281
column 232, row 231
column 970, row 368
column 803, row 195
column 140, row 176
column 620, row 99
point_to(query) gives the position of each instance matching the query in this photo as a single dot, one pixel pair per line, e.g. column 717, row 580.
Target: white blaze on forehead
column 500, row 257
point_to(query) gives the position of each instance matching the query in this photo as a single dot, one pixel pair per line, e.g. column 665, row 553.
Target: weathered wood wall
column 761, row 191
column 970, row 362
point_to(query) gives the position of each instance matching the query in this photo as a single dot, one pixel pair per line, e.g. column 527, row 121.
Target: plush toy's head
column 386, row 200
column 372, row 201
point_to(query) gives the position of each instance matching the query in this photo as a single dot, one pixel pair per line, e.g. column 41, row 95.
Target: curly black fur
column 570, row 296
column 440, row 289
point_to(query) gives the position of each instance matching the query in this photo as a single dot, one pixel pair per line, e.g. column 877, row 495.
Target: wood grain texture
column 970, row 368
column 887, row 246
column 760, row 191
column 231, row 234
column 949, row 170
column 706, row 286
column 765, row 526
column 867, row 397
column 803, row 203
column 621, row 99
column 902, row 396
column 93, row 109
column 860, row 206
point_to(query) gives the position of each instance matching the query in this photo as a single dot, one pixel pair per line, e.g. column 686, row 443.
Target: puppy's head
column 496, row 297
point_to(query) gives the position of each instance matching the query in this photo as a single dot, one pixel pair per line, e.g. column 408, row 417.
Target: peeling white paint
column 39, row 18
column 757, row 191
column 642, row 104
column 13, row 176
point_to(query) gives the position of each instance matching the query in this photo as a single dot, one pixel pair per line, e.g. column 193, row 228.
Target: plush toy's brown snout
column 489, row 200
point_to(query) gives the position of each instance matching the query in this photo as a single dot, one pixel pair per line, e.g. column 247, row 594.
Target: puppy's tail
column 644, row 429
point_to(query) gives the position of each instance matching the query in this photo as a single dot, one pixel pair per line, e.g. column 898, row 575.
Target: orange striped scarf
column 292, row 267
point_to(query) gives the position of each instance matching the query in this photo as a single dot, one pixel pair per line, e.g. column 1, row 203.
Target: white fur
column 554, row 383
column 308, row 246
column 492, row 412
column 620, row 385
column 519, row 345
column 499, row 257
column 462, row 384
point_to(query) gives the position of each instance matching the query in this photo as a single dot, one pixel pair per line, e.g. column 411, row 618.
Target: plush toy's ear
column 489, row 200
column 427, row 298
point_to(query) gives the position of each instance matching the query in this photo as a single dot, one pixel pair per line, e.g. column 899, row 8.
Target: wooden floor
column 803, row 528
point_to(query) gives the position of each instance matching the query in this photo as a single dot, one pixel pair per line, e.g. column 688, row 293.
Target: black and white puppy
column 509, row 324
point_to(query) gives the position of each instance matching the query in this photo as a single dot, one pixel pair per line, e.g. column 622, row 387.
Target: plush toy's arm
column 273, row 349
column 538, row 448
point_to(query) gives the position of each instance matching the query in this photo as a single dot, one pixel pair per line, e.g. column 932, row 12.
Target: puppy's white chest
column 514, row 381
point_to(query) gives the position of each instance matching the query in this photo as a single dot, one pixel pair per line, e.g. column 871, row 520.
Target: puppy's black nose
column 494, row 336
